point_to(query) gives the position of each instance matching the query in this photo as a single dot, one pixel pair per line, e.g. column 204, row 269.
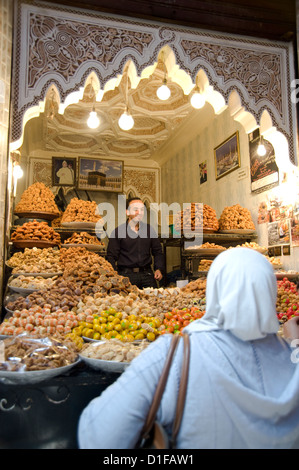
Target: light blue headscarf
column 241, row 295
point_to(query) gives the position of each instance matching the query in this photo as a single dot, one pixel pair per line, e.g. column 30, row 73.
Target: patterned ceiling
column 155, row 121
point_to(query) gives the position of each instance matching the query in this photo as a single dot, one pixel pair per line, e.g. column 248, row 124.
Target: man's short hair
column 132, row 199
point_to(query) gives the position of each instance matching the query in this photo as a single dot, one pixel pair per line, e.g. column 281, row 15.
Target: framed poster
column 227, row 156
column 203, row 176
column 63, row 171
column 263, row 169
column 96, row 174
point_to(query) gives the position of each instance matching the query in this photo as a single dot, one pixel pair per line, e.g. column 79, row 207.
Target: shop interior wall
column 6, row 13
column 180, row 180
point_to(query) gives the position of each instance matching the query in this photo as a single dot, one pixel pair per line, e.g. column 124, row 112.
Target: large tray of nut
column 111, row 355
column 25, row 360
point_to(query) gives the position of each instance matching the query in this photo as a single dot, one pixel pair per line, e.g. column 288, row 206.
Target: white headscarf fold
column 241, row 296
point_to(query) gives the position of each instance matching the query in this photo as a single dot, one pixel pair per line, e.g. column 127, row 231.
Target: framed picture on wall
column 63, row 171
column 203, row 176
column 227, row 156
column 96, row 174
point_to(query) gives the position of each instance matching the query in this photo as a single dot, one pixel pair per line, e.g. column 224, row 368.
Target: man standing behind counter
column 132, row 245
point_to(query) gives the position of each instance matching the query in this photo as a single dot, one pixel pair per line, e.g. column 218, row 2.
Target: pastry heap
column 37, row 198
column 81, row 211
column 36, row 231
column 236, row 217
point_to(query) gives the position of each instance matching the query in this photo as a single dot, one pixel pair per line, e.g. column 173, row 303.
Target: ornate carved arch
column 57, row 45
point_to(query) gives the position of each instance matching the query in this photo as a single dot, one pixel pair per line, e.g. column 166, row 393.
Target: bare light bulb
column 126, row 121
column 197, row 100
column 17, row 171
column 93, row 121
column 163, row 92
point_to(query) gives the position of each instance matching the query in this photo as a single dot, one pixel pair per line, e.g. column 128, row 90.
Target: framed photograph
column 203, row 176
column 263, row 168
column 227, row 156
column 64, row 171
column 96, row 174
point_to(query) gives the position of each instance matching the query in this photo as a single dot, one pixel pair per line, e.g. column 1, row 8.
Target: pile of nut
column 26, row 354
column 114, row 350
column 236, row 217
column 31, row 282
column 81, row 211
column 36, row 231
column 196, row 217
column 36, row 260
column 61, row 295
column 84, row 238
column 37, row 198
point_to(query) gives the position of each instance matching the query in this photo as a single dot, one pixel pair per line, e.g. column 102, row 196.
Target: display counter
column 45, row 415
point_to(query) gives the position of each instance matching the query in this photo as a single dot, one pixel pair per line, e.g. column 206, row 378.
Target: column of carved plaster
column 6, row 13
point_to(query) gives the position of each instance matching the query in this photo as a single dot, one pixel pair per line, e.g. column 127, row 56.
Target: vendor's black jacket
column 130, row 249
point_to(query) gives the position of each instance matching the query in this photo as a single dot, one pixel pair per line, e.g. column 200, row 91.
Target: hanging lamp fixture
column 126, row 121
column 197, row 99
column 163, row 91
column 93, row 120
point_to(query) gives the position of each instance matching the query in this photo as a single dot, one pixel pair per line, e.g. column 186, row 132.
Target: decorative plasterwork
column 56, row 45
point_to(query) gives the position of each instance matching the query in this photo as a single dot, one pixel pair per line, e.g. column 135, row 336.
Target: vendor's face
column 135, row 210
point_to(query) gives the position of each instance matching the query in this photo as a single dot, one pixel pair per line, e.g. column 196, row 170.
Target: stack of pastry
column 196, row 217
column 37, row 198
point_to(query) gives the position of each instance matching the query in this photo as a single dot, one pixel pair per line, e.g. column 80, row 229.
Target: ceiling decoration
column 156, row 121
column 66, row 62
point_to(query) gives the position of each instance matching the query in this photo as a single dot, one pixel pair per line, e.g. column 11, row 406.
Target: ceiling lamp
column 126, row 121
column 163, row 91
column 93, row 121
column 197, row 100
column 17, row 171
column 261, row 150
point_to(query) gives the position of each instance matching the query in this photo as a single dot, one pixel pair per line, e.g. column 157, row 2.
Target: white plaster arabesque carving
column 57, row 45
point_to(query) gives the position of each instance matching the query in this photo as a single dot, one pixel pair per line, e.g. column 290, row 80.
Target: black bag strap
column 161, row 387
column 182, row 391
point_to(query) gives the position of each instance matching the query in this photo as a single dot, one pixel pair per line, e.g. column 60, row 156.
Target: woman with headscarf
column 243, row 387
